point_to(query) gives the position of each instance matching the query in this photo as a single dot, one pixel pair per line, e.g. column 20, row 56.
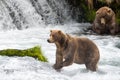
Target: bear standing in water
column 105, row 21
column 74, row 50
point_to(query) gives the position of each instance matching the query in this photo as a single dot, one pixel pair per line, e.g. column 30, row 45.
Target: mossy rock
column 34, row 52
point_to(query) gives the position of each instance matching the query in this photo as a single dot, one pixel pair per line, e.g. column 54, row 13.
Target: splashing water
column 22, row 14
column 33, row 15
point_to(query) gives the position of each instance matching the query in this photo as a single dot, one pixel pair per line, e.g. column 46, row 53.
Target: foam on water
column 16, row 68
column 26, row 68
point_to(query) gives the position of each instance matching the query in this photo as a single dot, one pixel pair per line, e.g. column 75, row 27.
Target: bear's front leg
column 59, row 60
column 57, row 67
column 68, row 61
column 99, row 29
column 70, row 57
column 113, row 28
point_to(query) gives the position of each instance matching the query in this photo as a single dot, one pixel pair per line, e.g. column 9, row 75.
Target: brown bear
column 74, row 49
column 105, row 21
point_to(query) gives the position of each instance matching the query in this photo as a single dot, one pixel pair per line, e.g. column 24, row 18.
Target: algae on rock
column 34, row 52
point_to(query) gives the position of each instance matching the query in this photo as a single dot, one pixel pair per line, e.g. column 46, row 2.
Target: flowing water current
column 26, row 68
column 26, row 23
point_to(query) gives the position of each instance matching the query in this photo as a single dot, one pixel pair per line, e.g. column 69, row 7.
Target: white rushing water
column 21, row 14
column 26, row 68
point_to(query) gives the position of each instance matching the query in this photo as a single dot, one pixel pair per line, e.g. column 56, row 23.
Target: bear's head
column 56, row 36
column 104, row 15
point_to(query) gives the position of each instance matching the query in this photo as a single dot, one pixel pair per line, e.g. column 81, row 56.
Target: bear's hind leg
column 91, row 66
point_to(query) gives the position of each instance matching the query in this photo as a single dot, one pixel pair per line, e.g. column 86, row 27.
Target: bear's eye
column 53, row 35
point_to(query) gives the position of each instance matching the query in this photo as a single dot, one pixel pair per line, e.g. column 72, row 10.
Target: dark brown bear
column 74, row 50
column 105, row 21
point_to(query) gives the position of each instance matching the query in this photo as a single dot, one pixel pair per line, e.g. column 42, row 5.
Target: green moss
column 118, row 16
column 90, row 15
column 102, row 1
column 34, row 52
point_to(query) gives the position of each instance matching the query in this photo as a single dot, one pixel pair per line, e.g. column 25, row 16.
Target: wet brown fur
column 74, row 50
column 105, row 21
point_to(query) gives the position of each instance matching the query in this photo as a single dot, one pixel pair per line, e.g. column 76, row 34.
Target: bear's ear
column 59, row 32
column 97, row 12
column 109, row 10
column 50, row 30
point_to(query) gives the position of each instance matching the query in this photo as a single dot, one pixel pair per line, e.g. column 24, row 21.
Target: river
column 26, row 68
column 22, row 26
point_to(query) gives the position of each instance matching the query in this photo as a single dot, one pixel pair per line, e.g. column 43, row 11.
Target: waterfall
column 5, row 19
column 22, row 14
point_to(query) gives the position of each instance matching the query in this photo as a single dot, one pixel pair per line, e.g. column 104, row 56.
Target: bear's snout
column 103, row 21
column 48, row 40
